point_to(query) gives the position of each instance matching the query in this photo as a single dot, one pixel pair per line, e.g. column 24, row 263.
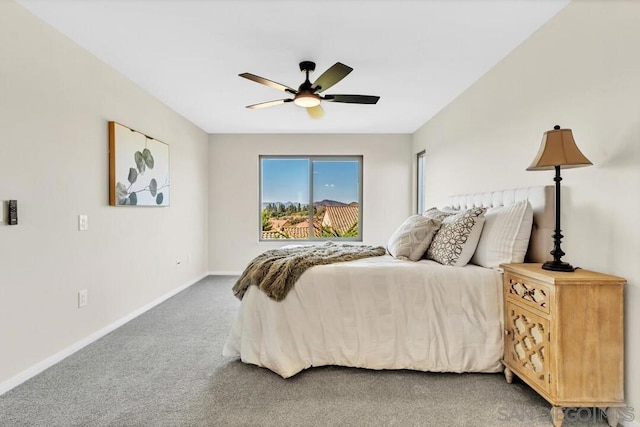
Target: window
column 420, row 187
column 310, row 197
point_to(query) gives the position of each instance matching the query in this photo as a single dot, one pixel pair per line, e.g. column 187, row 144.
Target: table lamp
column 558, row 150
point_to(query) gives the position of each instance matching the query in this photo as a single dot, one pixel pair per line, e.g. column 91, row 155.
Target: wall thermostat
column 13, row 212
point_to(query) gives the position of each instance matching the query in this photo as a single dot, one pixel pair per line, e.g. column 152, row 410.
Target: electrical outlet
column 83, row 222
column 83, row 298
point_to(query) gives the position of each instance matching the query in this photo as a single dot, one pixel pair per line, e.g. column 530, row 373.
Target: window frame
column 420, row 187
column 311, row 158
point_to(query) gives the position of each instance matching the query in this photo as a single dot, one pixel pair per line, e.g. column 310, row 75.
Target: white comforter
column 378, row 313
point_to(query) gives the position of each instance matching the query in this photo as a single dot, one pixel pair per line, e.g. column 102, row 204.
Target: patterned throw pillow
column 413, row 237
column 456, row 241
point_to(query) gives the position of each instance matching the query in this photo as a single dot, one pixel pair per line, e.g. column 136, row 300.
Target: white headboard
column 542, row 200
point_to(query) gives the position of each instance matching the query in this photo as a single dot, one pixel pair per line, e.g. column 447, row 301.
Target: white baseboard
column 63, row 354
column 225, row 273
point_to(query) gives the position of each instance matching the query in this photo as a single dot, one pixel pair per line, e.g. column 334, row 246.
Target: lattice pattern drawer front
column 526, row 345
column 534, row 295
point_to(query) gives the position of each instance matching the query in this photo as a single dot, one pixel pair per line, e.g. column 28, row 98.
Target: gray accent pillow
column 439, row 214
column 413, row 237
column 458, row 237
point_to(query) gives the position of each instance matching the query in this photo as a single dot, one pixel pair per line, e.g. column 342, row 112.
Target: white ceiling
column 416, row 55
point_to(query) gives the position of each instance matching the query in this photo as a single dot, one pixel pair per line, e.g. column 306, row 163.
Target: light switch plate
column 83, row 298
column 83, row 222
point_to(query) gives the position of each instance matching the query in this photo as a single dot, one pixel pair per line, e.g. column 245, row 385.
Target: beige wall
column 55, row 101
column 582, row 71
column 233, row 187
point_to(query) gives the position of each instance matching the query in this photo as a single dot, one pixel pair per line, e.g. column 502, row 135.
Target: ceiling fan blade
column 353, row 99
column 268, row 103
column 267, row 82
column 315, row 112
column 333, row 75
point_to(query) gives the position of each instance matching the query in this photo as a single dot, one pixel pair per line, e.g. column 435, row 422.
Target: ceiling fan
column 308, row 94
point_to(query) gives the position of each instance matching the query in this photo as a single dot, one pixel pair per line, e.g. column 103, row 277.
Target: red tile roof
column 340, row 218
column 290, row 233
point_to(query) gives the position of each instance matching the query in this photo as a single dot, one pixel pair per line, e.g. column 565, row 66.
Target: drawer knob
column 507, row 332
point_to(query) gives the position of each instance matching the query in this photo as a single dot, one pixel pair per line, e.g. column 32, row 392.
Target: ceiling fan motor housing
column 306, row 96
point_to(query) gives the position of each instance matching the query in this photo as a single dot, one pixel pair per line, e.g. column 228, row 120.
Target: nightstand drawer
column 528, row 292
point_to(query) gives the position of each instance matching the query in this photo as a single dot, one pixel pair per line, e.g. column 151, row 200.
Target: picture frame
column 138, row 168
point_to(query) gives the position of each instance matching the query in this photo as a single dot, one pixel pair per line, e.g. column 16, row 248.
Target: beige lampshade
column 558, row 148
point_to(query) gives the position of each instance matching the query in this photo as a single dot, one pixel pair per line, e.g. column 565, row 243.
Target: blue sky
column 287, row 180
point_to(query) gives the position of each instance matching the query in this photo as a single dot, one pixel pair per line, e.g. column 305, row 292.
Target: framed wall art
column 138, row 168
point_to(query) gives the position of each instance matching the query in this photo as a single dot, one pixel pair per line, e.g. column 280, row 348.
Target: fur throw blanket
column 277, row 270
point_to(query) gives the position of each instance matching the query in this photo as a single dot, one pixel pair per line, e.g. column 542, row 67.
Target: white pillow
column 413, row 237
column 505, row 236
column 456, row 241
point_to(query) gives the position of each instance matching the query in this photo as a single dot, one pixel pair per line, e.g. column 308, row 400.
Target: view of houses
column 291, row 220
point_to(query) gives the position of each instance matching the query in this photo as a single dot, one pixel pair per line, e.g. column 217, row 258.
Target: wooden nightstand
column 564, row 337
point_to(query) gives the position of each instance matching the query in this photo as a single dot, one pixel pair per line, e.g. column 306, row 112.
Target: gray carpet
column 164, row 368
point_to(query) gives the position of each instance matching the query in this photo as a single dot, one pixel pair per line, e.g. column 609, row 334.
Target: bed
column 389, row 313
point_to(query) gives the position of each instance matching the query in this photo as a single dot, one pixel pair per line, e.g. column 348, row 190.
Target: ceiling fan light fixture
column 308, row 94
column 306, row 100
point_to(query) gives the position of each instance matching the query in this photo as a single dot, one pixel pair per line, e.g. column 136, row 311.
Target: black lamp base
column 558, row 266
